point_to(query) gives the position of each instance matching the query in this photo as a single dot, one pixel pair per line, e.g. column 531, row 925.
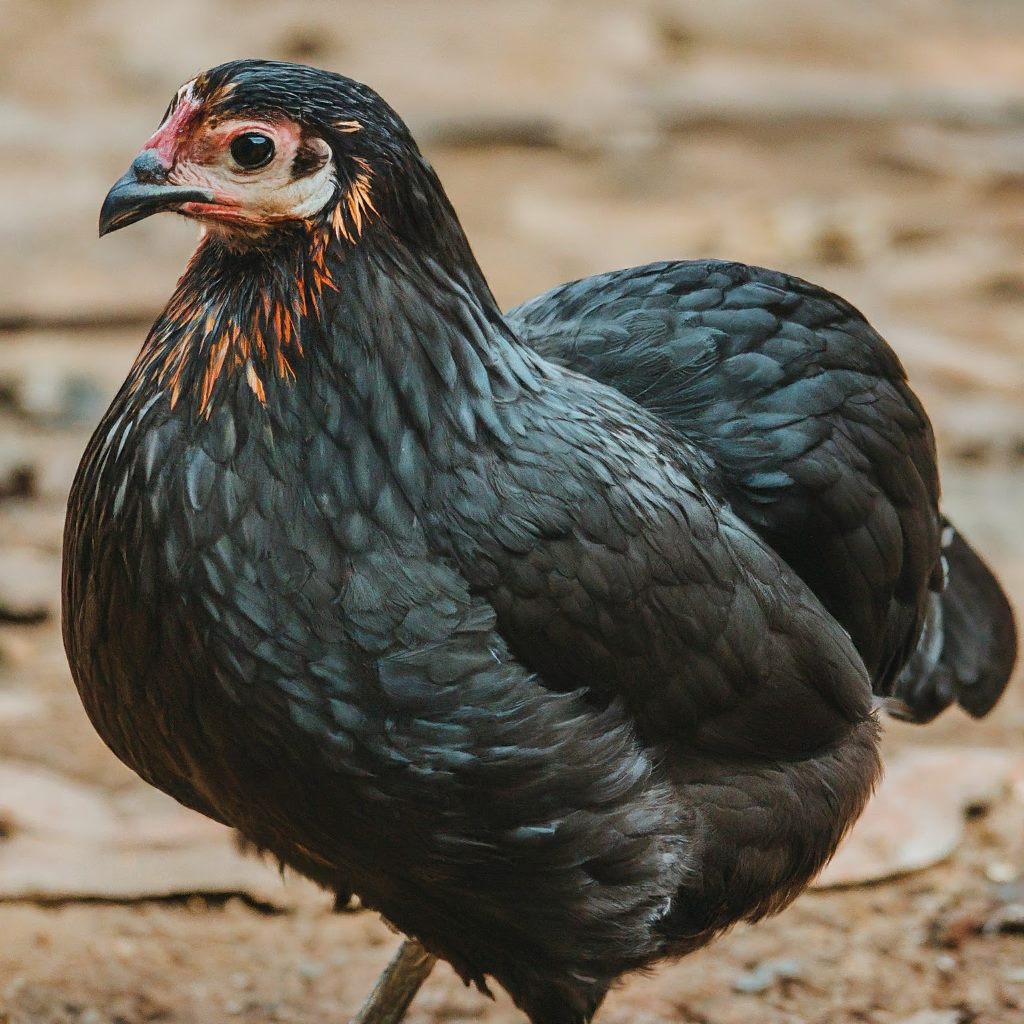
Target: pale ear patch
column 307, row 196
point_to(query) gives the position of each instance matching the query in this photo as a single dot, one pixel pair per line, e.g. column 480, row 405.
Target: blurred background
column 876, row 148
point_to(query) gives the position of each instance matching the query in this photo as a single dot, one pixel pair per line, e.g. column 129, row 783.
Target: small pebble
column 765, row 974
column 310, row 970
column 952, row 930
column 14, row 986
column 1011, row 893
column 1001, row 872
column 945, row 963
column 1006, row 920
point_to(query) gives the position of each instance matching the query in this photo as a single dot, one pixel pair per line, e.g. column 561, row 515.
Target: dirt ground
column 875, row 148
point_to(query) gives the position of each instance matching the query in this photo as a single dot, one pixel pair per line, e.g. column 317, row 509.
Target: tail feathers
column 968, row 646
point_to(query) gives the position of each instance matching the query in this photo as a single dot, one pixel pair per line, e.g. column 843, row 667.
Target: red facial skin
column 188, row 139
column 221, row 210
column 168, row 138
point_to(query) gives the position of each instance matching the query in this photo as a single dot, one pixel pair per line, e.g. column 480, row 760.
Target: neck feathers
column 340, row 296
column 236, row 313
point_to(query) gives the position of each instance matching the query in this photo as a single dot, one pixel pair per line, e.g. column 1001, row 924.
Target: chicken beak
column 144, row 190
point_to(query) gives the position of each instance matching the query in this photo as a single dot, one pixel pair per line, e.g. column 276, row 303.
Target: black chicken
column 551, row 635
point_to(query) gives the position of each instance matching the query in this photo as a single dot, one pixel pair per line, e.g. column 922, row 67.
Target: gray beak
column 144, row 190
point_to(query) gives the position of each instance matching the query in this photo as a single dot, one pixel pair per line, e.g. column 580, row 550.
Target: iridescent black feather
column 519, row 628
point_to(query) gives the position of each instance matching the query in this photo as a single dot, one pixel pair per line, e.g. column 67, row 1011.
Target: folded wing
column 821, row 444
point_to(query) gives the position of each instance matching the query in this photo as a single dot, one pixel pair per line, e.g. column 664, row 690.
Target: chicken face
column 237, row 174
column 262, row 152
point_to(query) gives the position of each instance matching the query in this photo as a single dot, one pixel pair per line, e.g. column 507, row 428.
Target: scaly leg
column 397, row 986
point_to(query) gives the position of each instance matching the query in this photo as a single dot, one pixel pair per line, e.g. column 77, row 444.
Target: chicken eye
column 252, row 150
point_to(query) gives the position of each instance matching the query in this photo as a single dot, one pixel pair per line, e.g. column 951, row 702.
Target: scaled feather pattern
column 554, row 635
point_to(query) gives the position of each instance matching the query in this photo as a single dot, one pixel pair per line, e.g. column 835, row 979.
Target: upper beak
column 144, row 190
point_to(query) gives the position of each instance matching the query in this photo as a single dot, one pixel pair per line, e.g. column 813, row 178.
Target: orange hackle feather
column 270, row 341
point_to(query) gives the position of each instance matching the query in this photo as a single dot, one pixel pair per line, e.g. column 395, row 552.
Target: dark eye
column 252, row 150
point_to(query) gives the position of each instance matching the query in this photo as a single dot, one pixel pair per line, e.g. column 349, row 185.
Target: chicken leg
column 397, row 986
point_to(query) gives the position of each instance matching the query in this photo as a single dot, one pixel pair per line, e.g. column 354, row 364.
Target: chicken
column 552, row 636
